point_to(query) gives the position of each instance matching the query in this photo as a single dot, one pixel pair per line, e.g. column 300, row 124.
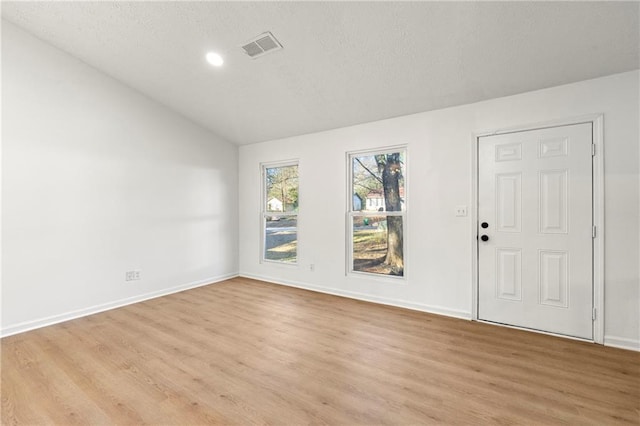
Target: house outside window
column 376, row 232
column 280, row 212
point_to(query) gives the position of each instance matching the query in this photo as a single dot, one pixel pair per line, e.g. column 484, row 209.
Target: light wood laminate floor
column 247, row 352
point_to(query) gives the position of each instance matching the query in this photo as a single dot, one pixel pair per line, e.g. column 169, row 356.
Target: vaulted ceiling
column 343, row 63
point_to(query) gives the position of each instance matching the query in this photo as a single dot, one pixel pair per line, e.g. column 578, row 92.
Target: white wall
column 98, row 180
column 439, row 269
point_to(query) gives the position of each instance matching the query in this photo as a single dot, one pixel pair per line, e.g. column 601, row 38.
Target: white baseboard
column 365, row 297
column 622, row 343
column 613, row 341
column 55, row 319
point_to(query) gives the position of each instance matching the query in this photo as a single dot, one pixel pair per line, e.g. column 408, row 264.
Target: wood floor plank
column 248, row 352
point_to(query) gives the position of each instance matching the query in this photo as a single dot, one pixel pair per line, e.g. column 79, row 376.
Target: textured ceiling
column 343, row 63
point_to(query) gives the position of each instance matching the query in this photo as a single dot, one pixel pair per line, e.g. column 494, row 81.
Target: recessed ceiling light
column 214, row 59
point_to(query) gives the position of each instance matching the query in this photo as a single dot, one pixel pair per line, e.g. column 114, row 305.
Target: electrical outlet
column 461, row 211
column 132, row 275
column 312, row 267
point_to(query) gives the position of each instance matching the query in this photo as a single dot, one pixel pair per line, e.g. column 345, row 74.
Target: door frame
column 597, row 122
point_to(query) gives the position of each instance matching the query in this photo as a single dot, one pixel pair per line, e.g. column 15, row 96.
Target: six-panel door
column 535, row 195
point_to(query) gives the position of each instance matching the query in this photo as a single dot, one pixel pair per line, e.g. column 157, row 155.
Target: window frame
column 350, row 214
column 264, row 213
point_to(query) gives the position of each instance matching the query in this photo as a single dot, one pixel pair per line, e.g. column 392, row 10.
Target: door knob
column 485, row 238
column 484, row 225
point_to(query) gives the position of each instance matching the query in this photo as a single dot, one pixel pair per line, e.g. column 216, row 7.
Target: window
column 377, row 212
column 280, row 213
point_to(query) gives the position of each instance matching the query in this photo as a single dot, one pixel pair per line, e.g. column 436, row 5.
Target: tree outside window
column 280, row 213
column 377, row 234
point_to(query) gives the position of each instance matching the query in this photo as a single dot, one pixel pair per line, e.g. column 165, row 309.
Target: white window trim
column 351, row 213
column 264, row 213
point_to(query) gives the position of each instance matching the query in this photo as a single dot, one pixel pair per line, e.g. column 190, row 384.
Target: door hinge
column 593, row 149
column 593, row 314
column 593, row 232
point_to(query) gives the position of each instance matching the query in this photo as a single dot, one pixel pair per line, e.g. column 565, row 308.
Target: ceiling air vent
column 262, row 45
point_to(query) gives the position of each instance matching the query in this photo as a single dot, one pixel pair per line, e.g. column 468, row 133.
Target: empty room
column 340, row 213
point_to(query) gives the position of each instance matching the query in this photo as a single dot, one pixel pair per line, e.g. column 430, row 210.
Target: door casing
column 597, row 211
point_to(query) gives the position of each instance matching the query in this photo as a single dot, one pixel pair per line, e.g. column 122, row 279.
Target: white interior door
column 535, row 229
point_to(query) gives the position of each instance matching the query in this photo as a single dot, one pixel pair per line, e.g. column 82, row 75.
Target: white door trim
column 597, row 121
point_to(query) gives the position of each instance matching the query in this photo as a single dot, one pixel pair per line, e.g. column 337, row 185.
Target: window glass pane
column 378, row 182
column 281, row 189
column 372, row 238
column 281, row 238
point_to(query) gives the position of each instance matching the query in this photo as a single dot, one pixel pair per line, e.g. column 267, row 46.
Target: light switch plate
column 461, row 211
